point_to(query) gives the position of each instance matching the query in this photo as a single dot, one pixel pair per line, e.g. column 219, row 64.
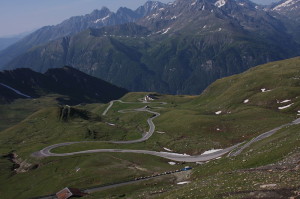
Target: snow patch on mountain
column 264, row 90
column 155, row 5
column 284, row 107
column 246, row 101
column 176, row 16
column 154, row 15
column 218, row 112
column 167, row 149
column 285, row 4
column 220, row 3
column 166, row 31
column 211, row 151
column 285, row 101
column 102, row 19
column 185, row 182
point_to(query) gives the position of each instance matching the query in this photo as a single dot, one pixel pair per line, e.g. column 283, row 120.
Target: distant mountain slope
column 9, row 40
column 289, row 8
column 5, row 42
column 288, row 11
column 67, row 81
column 97, row 19
column 180, row 48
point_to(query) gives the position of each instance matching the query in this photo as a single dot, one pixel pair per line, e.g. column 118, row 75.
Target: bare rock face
column 288, row 8
column 20, row 165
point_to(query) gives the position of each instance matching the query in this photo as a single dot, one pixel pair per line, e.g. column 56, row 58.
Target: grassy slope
column 238, row 121
column 44, row 128
column 18, row 110
column 229, row 177
column 190, row 125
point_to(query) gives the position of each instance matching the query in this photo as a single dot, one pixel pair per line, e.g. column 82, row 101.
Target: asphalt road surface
column 263, row 136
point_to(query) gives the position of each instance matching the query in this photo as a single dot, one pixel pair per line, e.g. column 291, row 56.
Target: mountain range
column 177, row 48
column 96, row 19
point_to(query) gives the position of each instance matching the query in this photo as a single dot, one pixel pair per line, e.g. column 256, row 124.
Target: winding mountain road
column 263, row 136
column 171, row 156
column 111, row 103
column 146, row 135
column 46, row 152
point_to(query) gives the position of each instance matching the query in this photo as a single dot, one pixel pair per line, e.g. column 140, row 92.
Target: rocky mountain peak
column 123, row 9
column 98, row 14
column 103, row 9
column 286, row 4
column 150, row 7
column 288, row 8
column 71, row 26
column 177, row 15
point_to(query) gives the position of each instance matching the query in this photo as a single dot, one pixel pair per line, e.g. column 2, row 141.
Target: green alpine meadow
column 250, row 103
column 150, row 100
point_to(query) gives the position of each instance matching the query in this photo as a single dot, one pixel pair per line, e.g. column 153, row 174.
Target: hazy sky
column 18, row 16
